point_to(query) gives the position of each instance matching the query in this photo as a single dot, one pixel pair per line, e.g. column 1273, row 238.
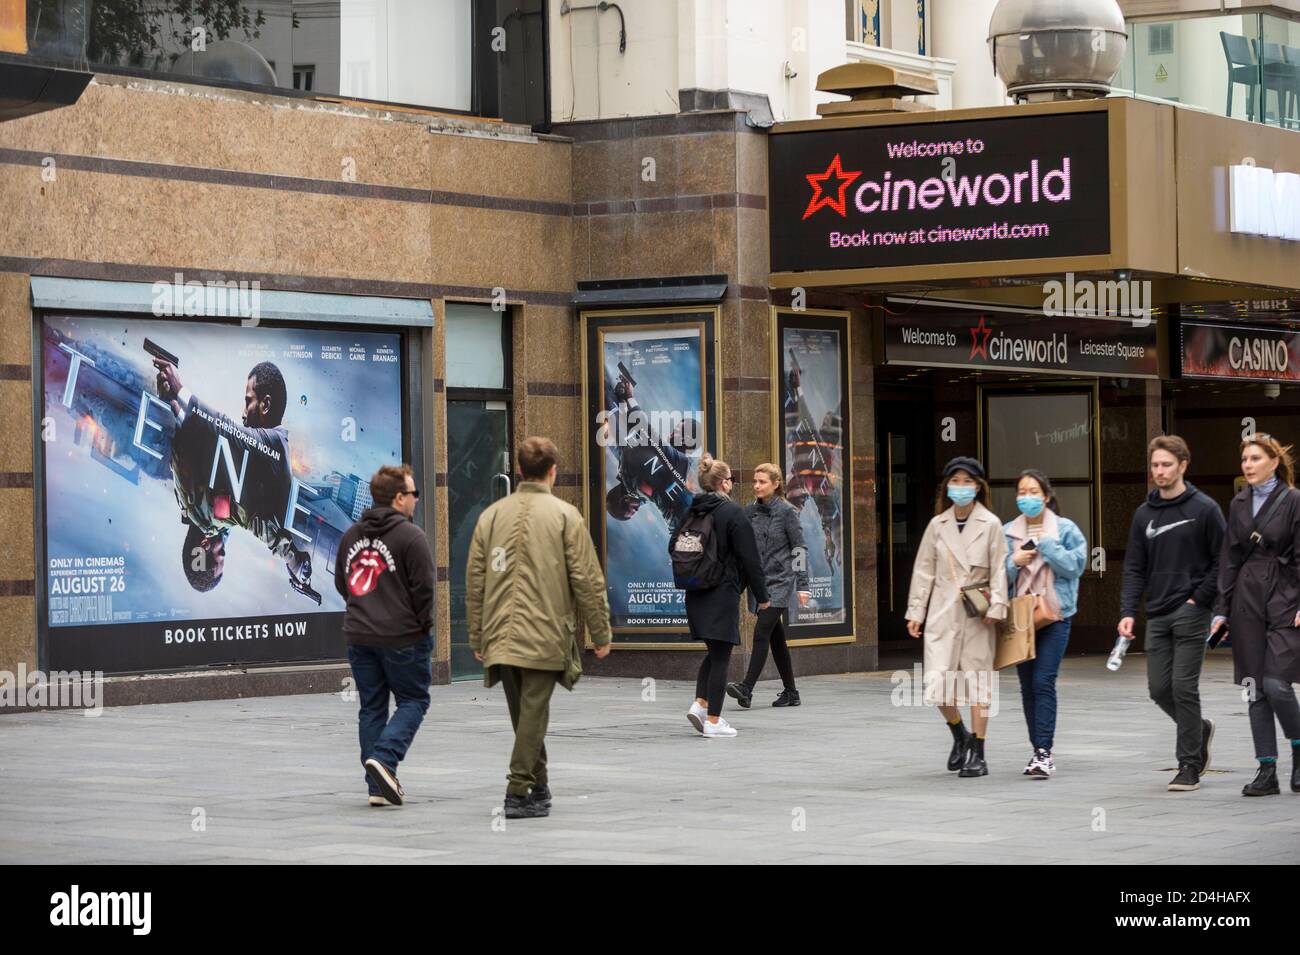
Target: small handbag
column 1043, row 617
column 976, row 600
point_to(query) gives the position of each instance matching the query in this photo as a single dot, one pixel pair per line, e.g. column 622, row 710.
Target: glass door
column 905, row 504
column 478, row 473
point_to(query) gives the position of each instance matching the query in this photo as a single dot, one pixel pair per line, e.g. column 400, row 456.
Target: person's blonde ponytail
column 712, row 472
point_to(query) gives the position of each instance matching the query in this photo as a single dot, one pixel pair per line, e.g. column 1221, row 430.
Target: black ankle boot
column 1264, row 784
column 961, row 738
column 975, row 765
column 1295, row 769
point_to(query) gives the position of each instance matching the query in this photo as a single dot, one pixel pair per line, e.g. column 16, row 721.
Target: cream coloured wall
column 772, row 47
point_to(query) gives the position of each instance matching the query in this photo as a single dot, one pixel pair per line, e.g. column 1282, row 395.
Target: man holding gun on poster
column 252, row 489
column 647, row 469
column 811, row 458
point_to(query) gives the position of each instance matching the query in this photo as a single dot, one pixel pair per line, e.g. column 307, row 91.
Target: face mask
column 961, row 494
column 1030, row 506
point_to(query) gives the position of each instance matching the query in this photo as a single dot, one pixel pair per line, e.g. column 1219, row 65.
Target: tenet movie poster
column 814, row 418
column 651, row 422
column 197, row 479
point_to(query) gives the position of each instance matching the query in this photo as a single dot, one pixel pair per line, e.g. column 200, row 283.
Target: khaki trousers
column 528, row 695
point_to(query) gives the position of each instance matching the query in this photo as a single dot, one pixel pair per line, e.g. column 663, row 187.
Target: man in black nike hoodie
column 1173, row 556
column 384, row 570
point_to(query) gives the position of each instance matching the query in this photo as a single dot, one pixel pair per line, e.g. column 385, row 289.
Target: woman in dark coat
column 714, row 614
column 1259, row 601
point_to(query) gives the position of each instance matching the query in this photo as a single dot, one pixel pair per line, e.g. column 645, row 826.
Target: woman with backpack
column 1258, row 598
column 958, row 593
column 714, row 558
column 1047, row 556
column 781, row 549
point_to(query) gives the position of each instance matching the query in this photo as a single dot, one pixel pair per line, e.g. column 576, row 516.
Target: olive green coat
column 532, row 570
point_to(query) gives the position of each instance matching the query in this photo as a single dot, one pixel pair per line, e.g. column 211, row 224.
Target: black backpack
column 693, row 548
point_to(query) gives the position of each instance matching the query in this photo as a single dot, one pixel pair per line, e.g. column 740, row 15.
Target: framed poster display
column 651, row 409
column 812, row 418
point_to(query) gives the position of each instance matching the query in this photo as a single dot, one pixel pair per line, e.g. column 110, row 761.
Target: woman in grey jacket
column 785, row 562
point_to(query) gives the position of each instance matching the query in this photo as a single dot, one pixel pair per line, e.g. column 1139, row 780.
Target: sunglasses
column 415, row 494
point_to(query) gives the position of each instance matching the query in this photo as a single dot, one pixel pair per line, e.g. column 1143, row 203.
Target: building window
column 1160, row 39
column 1053, row 429
column 862, row 21
column 481, row 57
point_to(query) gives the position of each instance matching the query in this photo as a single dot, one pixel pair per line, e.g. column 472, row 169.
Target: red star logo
column 980, row 346
column 821, row 198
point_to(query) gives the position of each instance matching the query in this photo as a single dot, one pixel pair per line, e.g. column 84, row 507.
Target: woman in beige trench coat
column 963, row 546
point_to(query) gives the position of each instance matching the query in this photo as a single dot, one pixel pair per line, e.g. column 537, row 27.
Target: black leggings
column 770, row 629
column 1273, row 698
column 711, row 684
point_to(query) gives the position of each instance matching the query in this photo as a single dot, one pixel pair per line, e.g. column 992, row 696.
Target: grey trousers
column 1274, row 698
column 1175, row 647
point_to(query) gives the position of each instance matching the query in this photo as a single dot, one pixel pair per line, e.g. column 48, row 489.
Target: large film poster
column 197, row 479
column 651, row 414
column 812, row 410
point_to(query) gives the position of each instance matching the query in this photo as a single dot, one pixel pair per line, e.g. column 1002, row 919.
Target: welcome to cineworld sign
column 1263, row 202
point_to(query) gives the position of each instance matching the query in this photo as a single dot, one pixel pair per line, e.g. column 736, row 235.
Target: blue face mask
column 1030, row 506
column 961, row 494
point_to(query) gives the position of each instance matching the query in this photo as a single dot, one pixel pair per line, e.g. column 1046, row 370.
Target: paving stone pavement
column 846, row 778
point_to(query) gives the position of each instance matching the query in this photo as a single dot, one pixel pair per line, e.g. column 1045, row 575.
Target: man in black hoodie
column 384, row 571
column 1173, row 556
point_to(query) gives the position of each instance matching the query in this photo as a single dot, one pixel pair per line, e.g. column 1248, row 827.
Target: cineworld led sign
column 1263, row 202
column 918, row 194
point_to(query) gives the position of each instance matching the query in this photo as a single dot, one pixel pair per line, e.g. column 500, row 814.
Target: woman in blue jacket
column 1046, row 555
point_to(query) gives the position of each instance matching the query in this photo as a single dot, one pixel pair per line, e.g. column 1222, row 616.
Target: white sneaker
column 720, row 728
column 1040, row 767
column 696, row 715
column 1033, row 762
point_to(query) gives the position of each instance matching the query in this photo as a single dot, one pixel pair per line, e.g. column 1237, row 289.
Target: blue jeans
column 1038, row 683
column 406, row 674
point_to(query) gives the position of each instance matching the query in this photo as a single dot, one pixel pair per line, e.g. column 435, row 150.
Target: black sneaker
column 541, row 795
column 1207, row 735
column 787, row 698
column 523, row 807
column 1264, row 783
column 1295, row 769
column 1187, row 780
column 385, row 780
column 741, row 694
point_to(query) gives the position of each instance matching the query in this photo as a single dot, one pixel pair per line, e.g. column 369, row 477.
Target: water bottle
column 1116, row 658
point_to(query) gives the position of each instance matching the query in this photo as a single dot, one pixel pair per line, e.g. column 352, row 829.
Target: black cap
column 969, row 465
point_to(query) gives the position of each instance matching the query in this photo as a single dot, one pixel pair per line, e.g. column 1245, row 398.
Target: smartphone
column 1029, row 545
column 1217, row 636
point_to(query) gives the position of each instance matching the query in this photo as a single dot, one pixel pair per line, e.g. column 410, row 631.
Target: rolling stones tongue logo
column 365, row 571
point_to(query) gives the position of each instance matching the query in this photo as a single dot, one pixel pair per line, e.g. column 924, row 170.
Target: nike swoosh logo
column 1153, row 532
